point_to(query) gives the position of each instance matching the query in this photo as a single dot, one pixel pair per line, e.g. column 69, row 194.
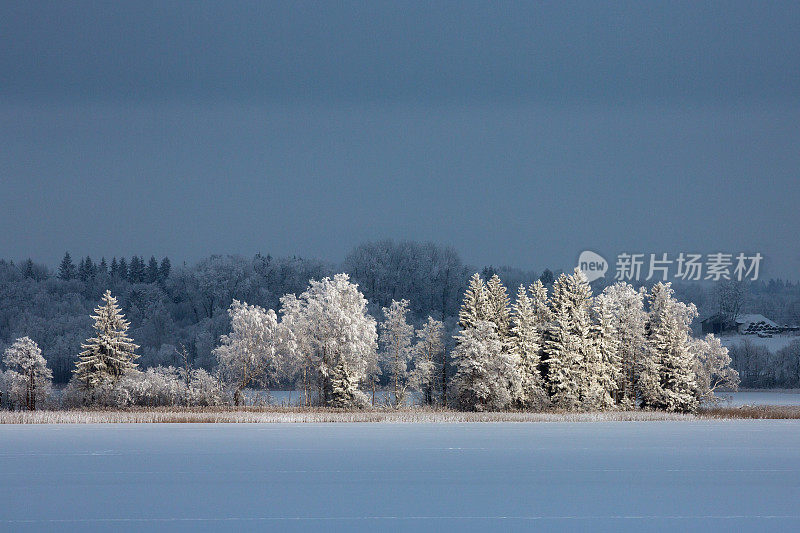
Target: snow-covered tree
column 626, row 305
column 527, row 346
column 712, row 368
column 573, row 364
column 111, row 353
column 395, row 339
column 252, row 351
column 540, row 304
column 428, row 356
column 497, row 307
column 29, row 379
column 606, row 339
column 474, row 308
column 483, row 370
column 668, row 380
column 331, row 326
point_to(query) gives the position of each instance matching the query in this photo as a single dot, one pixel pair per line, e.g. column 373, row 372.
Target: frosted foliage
column 111, row 353
column 329, row 322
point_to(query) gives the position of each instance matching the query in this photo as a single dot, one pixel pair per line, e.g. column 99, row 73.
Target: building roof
column 746, row 320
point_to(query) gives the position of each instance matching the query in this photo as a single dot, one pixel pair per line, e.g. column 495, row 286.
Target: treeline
column 171, row 305
column 186, row 305
column 761, row 368
column 568, row 351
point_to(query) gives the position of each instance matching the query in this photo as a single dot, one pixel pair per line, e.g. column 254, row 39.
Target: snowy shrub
column 204, row 389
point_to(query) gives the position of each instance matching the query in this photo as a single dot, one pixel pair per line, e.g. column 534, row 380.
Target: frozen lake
column 776, row 397
column 781, row 397
column 663, row 476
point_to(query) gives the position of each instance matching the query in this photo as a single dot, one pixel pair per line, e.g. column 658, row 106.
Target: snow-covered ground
column 773, row 344
column 663, row 476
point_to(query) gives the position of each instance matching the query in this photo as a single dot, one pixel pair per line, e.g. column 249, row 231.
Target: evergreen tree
column 473, row 309
column 110, row 354
column 626, row 304
column 28, row 270
column 606, row 340
column 102, row 268
column 114, row 269
column 527, row 347
column 670, row 378
column 497, row 307
column 345, row 393
column 483, row 371
column 66, row 270
column 561, row 354
column 151, row 276
column 547, row 278
column 86, row 269
column 122, row 269
column 573, row 364
column 164, row 269
column 136, row 270
column 540, row 305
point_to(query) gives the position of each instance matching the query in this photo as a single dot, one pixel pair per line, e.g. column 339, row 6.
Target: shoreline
column 262, row 415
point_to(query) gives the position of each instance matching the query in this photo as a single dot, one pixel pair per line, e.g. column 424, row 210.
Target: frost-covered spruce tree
column 254, row 351
column 573, row 364
column 606, row 341
column 712, row 369
column 428, row 356
column 497, row 307
column 332, row 328
column 527, row 346
column 474, row 307
column 540, row 304
column 111, row 353
column 29, row 379
column 669, row 376
column 626, row 304
column 395, row 339
column 344, row 389
column 483, row 370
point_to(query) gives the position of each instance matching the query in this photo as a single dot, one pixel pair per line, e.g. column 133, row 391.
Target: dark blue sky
column 520, row 134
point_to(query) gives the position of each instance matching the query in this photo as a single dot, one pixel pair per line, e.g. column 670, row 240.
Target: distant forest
column 170, row 306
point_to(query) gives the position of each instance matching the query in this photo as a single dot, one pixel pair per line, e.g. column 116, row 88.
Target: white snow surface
column 773, row 344
column 732, row 475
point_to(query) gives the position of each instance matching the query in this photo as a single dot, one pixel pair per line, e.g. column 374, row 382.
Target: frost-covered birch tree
column 428, row 356
column 331, row 325
column 253, row 352
column 29, row 379
column 712, row 369
column 395, row 339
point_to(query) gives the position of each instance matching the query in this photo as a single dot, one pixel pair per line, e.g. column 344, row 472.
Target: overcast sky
column 519, row 133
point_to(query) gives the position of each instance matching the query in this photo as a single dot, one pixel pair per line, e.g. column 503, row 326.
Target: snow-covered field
column 668, row 476
column 773, row 344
